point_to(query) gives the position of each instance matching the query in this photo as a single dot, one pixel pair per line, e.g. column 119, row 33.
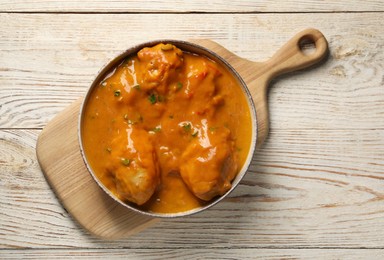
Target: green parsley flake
column 187, row 127
column 117, row 93
column 125, row 161
column 152, row 98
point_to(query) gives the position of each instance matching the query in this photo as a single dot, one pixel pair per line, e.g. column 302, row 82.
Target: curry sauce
column 167, row 130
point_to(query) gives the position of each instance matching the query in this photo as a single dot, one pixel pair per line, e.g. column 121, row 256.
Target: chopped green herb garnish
column 117, row 93
column 156, row 129
column 152, row 98
column 187, row 127
column 179, row 85
column 125, row 161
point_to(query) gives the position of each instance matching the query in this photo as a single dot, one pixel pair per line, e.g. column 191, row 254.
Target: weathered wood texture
column 196, row 254
column 298, row 193
column 314, row 190
column 48, row 61
column 191, row 6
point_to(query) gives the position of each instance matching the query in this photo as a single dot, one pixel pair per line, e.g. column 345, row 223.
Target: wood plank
column 191, row 6
column 49, row 60
column 316, row 188
column 227, row 253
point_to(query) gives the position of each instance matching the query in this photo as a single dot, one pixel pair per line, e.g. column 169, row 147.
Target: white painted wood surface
column 314, row 190
column 155, row 6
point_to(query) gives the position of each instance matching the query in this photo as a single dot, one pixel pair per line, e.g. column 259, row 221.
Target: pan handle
column 293, row 56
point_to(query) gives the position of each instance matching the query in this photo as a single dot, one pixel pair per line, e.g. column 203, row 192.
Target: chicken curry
column 167, row 130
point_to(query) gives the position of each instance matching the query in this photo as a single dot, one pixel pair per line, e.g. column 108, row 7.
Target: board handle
column 294, row 55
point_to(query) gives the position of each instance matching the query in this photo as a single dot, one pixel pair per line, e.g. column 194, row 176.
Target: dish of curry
column 167, row 130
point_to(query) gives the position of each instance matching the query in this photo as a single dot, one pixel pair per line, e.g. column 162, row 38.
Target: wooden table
column 315, row 189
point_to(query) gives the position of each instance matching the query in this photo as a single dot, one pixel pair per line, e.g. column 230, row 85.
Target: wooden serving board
column 58, row 149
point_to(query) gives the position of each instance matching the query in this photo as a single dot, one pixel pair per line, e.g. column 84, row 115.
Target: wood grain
column 314, row 190
column 66, row 51
column 191, row 6
column 198, row 254
column 299, row 192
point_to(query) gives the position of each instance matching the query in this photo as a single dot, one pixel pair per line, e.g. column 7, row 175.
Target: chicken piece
column 209, row 164
column 134, row 166
column 159, row 66
column 201, row 91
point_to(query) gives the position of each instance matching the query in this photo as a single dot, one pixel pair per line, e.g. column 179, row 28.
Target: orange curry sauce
column 167, row 130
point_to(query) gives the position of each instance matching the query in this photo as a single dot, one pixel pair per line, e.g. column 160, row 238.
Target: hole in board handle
column 307, row 45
